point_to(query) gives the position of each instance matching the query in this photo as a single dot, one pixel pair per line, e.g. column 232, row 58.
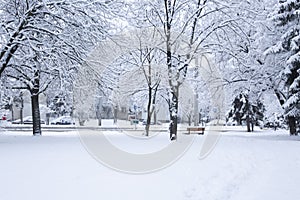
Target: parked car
column 64, row 120
column 26, row 120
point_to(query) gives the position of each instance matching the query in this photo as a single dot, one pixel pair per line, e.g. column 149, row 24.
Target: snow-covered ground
column 262, row 165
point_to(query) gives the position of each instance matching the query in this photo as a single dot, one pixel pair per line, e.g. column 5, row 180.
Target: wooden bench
column 200, row 130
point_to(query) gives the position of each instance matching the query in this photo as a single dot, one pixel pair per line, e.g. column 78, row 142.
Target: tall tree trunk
column 151, row 103
column 173, row 109
column 35, row 107
column 153, row 111
column 36, row 114
column 148, row 111
column 248, row 122
column 21, row 107
column 172, row 72
column 292, row 125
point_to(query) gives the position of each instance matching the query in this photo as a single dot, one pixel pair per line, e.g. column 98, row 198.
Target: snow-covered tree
column 241, row 57
column 40, row 39
column 59, row 94
column 286, row 21
column 243, row 110
column 189, row 30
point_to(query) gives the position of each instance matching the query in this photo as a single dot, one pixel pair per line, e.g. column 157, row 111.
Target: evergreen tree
column 286, row 18
column 236, row 112
column 245, row 111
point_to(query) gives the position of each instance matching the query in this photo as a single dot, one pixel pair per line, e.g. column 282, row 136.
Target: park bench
column 199, row 130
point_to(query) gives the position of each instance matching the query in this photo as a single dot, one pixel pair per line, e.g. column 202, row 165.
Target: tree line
column 254, row 44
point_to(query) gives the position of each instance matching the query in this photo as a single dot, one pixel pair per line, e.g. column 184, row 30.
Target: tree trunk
column 196, row 112
column 173, row 109
column 98, row 115
column 153, row 111
column 292, row 125
column 36, row 119
column 248, row 120
column 148, row 111
column 12, row 112
column 48, row 118
column 173, row 127
column 248, row 123
column 173, row 104
column 21, row 107
column 21, row 115
column 115, row 115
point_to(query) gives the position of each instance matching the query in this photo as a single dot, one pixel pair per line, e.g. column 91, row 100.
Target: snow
column 261, row 165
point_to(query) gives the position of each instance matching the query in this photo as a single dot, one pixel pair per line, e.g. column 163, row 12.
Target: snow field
column 261, row 165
